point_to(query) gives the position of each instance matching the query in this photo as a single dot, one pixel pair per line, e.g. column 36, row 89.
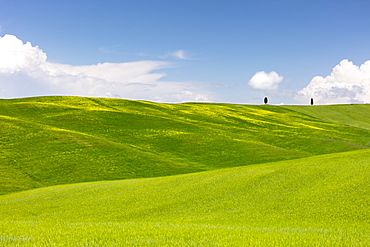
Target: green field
column 108, row 172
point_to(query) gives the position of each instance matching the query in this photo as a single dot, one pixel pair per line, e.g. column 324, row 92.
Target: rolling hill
column 108, row 172
column 60, row 140
column 315, row 201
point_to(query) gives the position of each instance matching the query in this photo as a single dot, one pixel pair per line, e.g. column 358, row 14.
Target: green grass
column 316, row 201
column 107, row 172
column 354, row 115
column 61, row 140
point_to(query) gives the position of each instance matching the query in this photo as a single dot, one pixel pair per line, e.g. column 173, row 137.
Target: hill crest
column 60, row 140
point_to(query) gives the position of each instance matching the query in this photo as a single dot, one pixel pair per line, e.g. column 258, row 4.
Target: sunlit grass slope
column 355, row 115
column 47, row 141
column 315, row 201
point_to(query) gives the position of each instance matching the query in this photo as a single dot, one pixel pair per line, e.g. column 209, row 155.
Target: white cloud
column 25, row 71
column 16, row 56
column 347, row 83
column 180, row 54
column 265, row 81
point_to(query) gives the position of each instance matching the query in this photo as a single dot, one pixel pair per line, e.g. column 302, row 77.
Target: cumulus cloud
column 265, row 81
column 16, row 56
column 25, row 71
column 347, row 83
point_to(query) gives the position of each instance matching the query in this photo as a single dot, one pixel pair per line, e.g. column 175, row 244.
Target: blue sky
column 177, row 51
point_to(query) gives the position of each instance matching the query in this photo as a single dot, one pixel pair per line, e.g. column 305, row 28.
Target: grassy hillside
column 48, row 141
column 315, row 201
column 354, row 115
column 182, row 174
